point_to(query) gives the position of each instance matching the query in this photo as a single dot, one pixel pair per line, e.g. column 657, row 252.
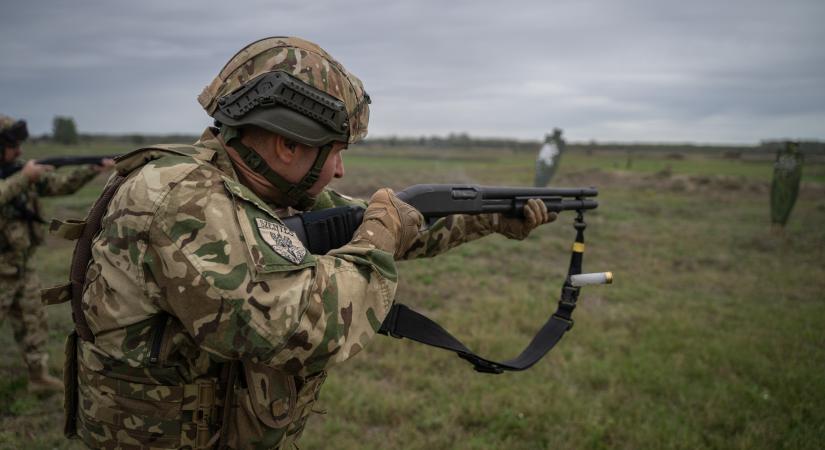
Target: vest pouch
column 307, row 396
column 70, row 383
column 263, row 409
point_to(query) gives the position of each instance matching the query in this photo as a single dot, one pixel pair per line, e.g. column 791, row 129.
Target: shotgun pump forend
column 439, row 200
column 325, row 230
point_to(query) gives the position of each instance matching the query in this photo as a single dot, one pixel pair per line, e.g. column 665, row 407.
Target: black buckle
column 253, row 160
column 480, row 365
column 567, row 306
column 569, row 321
column 569, row 294
column 293, row 191
column 569, row 299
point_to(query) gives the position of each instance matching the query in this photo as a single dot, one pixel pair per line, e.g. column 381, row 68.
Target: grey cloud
column 707, row 71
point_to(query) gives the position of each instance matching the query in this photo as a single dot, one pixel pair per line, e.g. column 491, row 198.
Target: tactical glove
column 389, row 224
column 535, row 214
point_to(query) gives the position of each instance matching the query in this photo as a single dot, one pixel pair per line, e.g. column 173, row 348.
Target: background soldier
column 204, row 322
column 21, row 226
column 787, row 176
column 547, row 162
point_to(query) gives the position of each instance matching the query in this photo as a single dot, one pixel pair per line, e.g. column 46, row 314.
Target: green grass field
column 712, row 335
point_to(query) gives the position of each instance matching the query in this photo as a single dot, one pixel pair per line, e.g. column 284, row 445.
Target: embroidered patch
column 282, row 240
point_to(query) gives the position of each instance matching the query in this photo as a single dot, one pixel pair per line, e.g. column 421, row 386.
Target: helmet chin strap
column 295, row 194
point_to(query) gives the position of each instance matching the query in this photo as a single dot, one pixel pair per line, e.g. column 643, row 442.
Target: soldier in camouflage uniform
column 22, row 231
column 207, row 323
column 547, row 162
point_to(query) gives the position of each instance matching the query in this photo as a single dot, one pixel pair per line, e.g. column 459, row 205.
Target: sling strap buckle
column 481, row 365
column 569, row 320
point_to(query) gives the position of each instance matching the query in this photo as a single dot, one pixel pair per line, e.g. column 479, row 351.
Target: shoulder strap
column 133, row 160
column 82, row 255
column 403, row 322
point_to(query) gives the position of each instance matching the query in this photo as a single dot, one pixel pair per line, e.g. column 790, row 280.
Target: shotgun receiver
column 322, row 231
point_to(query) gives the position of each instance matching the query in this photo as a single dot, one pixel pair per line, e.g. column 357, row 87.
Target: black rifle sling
column 403, row 322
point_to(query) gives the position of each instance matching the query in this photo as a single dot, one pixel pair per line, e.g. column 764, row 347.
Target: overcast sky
column 702, row 70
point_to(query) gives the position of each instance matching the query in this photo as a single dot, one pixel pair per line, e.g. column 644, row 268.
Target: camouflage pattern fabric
column 6, row 122
column 20, row 302
column 302, row 59
column 12, row 187
column 19, row 236
column 185, row 245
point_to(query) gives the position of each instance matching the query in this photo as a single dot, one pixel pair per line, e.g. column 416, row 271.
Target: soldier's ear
column 284, row 149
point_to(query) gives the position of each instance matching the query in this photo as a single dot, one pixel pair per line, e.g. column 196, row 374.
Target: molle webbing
column 82, row 255
column 169, row 416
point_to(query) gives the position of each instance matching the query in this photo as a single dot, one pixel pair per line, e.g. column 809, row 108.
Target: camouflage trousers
column 20, row 302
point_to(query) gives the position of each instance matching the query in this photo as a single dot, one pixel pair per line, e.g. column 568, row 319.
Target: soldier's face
column 11, row 153
column 333, row 166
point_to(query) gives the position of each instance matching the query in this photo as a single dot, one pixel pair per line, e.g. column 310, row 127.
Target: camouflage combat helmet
column 12, row 132
column 291, row 87
column 294, row 88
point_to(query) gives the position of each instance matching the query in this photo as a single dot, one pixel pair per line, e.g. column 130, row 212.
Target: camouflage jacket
column 184, row 244
column 20, row 220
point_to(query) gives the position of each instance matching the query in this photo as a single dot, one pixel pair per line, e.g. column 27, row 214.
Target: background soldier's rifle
column 18, row 206
column 322, row 231
column 7, row 170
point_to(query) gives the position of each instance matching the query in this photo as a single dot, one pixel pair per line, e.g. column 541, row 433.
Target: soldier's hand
column 34, row 171
column 106, row 164
column 389, row 223
column 535, row 214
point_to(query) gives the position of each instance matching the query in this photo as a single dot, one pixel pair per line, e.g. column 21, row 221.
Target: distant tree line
column 465, row 141
column 452, row 140
column 64, row 131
